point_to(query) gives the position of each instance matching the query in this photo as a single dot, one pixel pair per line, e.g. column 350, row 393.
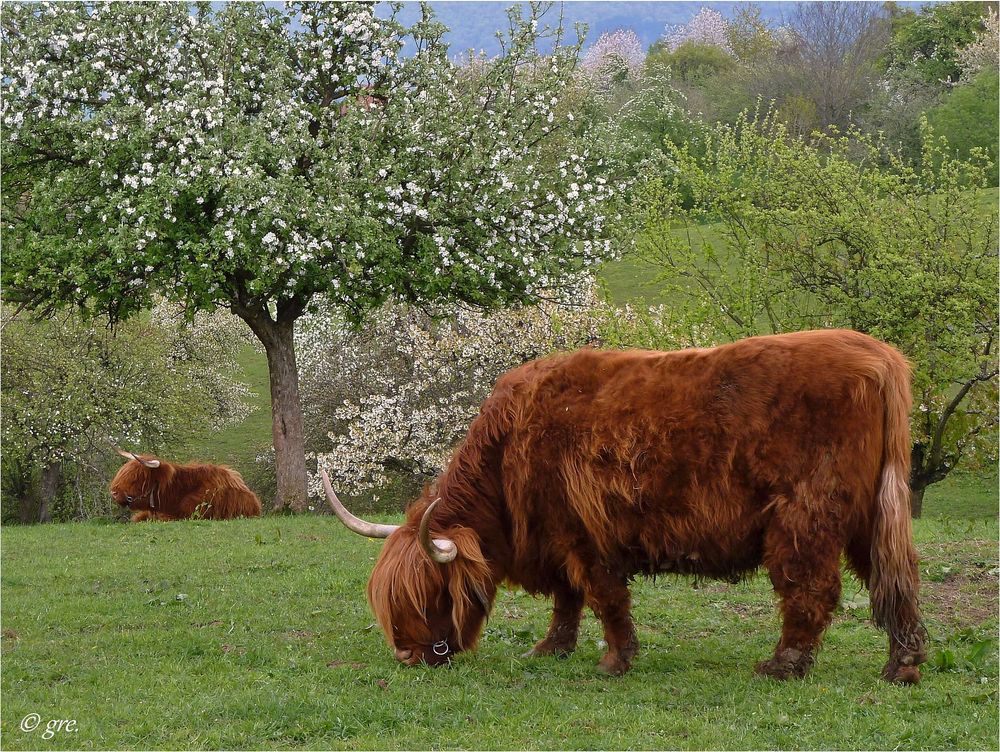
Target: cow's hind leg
column 803, row 560
column 560, row 640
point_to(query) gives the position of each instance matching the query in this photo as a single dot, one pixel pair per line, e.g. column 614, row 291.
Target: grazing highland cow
column 587, row 468
column 157, row 490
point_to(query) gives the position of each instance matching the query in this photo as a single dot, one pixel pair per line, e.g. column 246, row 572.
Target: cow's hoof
column 901, row 672
column 545, row 648
column 788, row 664
column 613, row 665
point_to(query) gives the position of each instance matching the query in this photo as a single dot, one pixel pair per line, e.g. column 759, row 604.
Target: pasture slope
column 256, row 634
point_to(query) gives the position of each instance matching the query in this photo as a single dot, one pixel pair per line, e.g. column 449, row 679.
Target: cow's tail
column 895, row 579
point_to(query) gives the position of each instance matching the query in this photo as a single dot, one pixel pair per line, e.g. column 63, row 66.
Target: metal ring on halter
column 443, row 645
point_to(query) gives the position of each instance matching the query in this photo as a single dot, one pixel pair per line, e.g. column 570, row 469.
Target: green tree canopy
column 929, row 40
column 967, row 117
column 692, row 62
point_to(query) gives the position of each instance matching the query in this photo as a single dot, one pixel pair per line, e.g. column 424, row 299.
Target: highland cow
column 585, row 469
column 156, row 490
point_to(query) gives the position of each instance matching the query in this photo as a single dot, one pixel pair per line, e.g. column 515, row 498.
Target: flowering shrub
column 401, row 391
column 614, row 58
column 396, row 396
column 707, row 27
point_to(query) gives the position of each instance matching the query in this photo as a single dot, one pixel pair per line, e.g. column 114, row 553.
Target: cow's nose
column 403, row 655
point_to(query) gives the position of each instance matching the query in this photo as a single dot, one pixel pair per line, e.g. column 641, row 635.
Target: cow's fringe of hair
column 146, row 481
column 894, row 582
column 405, row 575
column 410, row 576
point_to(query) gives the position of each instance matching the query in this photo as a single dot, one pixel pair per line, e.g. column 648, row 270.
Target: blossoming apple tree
column 253, row 157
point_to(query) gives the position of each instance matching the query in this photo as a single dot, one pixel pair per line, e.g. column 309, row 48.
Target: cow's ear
column 149, row 463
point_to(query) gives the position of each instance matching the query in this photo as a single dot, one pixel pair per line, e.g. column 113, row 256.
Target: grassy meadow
column 256, row 634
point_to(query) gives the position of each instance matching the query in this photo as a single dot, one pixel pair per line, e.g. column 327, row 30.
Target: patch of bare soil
column 298, row 634
column 959, row 581
column 960, row 600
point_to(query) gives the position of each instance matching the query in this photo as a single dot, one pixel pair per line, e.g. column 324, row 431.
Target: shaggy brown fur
column 585, row 469
column 174, row 492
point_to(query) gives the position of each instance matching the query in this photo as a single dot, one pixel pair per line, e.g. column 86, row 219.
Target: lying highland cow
column 585, row 469
column 157, row 490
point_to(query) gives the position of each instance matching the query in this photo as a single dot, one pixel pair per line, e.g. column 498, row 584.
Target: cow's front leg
column 560, row 640
column 611, row 602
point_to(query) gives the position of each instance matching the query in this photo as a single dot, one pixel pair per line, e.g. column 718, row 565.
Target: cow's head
column 430, row 595
column 134, row 485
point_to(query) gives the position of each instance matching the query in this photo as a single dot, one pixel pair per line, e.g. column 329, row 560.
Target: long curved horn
column 137, row 458
column 441, row 550
column 352, row 523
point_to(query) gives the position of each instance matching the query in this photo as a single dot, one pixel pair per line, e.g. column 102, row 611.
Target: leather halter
column 149, row 498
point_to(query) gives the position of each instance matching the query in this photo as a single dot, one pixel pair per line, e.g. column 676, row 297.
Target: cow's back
column 214, row 492
column 671, row 461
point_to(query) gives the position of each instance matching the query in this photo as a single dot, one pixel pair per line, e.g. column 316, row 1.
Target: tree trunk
column 27, row 503
column 48, row 488
column 287, row 430
column 926, row 469
column 35, row 505
column 286, row 421
column 917, row 501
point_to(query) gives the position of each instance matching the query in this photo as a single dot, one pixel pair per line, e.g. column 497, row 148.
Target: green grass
column 963, row 496
column 634, row 280
column 256, row 634
column 237, row 445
